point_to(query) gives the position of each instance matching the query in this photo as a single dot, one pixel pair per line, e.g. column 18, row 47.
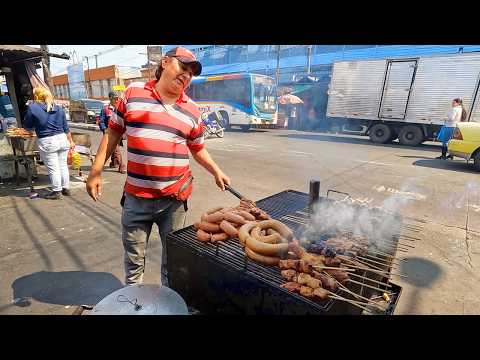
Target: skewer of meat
column 348, row 291
column 370, row 286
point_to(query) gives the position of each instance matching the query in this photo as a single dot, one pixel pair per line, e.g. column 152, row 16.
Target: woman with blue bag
column 456, row 114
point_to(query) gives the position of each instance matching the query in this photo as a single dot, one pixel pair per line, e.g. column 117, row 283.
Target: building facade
column 98, row 82
column 294, row 59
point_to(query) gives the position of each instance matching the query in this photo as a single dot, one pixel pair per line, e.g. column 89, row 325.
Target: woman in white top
column 456, row 114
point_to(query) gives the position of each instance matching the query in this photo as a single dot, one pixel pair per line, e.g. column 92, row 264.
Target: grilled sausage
column 270, row 239
column 220, row 237
column 208, row 227
column 262, row 248
column 203, row 236
column 281, row 228
column 244, row 231
column 271, row 232
column 214, row 210
column 265, row 260
column 215, row 217
column 229, row 228
column 246, row 215
column 234, row 218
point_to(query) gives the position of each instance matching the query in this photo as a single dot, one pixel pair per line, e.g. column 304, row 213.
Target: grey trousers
column 138, row 216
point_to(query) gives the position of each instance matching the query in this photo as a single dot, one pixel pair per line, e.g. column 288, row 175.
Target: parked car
column 466, row 142
column 85, row 110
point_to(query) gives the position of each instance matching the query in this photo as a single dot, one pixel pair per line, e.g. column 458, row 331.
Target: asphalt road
column 76, row 243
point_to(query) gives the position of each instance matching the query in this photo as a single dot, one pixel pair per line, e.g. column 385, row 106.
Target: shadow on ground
column 64, row 288
column 421, row 274
column 360, row 141
column 452, row 165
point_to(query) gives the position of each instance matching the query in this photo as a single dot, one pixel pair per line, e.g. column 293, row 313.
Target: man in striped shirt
column 162, row 125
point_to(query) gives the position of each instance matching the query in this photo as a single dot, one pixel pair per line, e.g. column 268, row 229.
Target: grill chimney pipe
column 314, row 193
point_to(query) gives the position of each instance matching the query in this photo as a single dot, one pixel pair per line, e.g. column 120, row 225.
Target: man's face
column 454, row 103
column 176, row 75
column 113, row 100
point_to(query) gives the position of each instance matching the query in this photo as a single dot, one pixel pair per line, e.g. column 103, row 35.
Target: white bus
column 242, row 99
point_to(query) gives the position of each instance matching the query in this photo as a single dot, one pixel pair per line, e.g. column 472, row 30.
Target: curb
column 91, row 127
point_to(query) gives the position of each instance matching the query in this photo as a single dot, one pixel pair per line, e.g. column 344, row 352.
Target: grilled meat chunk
column 289, row 275
column 306, row 291
column 305, row 279
column 320, row 293
column 292, row 286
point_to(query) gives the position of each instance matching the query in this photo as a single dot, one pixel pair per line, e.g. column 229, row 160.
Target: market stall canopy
column 289, row 99
column 14, row 53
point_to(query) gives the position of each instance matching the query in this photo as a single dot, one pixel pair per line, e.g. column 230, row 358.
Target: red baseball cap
column 187, row 57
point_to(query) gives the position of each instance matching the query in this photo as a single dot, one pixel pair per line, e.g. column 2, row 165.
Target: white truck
column 404, row 98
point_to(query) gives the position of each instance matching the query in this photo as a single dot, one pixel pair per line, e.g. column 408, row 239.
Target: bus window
column 231, row 90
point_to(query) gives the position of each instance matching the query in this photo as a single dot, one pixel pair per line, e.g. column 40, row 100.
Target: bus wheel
column 411, row 135
column 380, row 133
column 245, row 127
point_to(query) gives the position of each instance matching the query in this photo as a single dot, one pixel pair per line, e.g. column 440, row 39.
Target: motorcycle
column 213, row 124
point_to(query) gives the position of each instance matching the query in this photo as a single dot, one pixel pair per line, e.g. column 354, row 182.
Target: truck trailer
column 404, row 98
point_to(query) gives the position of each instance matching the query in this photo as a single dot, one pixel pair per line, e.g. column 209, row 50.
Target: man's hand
column 72, row 145
column 221, row 179
column 94, row 185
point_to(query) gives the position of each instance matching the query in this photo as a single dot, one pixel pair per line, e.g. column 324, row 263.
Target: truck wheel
column 380, row 133
column 411, row 135
column 476, row 161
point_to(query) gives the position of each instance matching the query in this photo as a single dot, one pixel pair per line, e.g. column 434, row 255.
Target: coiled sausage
column 265, row 260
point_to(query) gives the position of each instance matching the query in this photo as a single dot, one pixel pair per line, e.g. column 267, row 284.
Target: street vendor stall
column 18, row 64
column 25, row 151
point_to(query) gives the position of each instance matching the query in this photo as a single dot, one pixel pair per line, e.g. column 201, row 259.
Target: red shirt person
column 162, row 126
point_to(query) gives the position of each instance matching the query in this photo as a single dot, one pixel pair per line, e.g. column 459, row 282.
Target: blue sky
column 130, row 55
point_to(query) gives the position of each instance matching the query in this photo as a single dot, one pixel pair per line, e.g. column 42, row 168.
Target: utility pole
column 89, row 89
column 96, row 61
column 46, row 67
column 309, row 59
column 148, row 64
column 277, row 74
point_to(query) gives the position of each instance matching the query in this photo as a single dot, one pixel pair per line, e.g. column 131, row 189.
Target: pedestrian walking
column 457, row 113
column 54, row 139
column 162, row 125
column 116, row 160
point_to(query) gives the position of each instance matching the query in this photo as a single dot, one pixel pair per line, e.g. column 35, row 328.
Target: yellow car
column 466, row 142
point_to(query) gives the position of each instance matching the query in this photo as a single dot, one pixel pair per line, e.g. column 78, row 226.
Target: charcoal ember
column 315, row 248
column 329, row 252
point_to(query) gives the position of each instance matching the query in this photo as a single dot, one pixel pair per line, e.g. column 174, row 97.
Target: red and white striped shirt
column 158, row 139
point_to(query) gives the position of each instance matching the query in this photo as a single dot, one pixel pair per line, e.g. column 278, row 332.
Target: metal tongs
column 235, row 192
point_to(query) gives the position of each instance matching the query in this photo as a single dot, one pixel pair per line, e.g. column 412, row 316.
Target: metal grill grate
column 289, row 207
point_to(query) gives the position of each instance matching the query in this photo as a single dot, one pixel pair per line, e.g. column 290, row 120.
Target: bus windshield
column 264, row 94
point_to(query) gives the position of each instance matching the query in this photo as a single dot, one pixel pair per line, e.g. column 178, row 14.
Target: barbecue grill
column 219, row 278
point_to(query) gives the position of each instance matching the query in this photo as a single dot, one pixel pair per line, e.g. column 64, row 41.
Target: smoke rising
column 378, row 224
